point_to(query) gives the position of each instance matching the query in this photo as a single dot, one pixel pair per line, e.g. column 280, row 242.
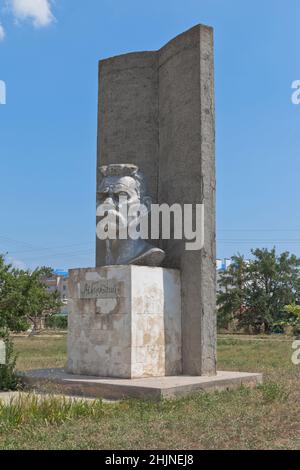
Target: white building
column 223, row 264
column 59, row 283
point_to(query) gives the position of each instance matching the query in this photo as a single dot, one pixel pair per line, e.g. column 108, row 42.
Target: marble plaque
column 98, row 289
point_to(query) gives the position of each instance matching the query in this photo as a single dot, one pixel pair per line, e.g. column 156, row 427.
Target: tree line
column 260, row 295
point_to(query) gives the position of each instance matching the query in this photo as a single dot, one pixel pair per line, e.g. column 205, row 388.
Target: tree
column 24, row 297
column 270, row 282
column 35, row 303
column 231, row 298
column 293, row 318
column 8, row 294
column 8, row 377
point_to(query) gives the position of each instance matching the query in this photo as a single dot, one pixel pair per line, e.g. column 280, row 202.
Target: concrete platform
column 9, row 398
column 153, row 388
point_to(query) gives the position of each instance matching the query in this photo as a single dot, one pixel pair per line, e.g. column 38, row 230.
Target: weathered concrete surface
column 149, row 388
column 187, row 175
column 13, row 398
column 156, row 109
column 128, row 112
column 130, row 329
column 128, row 119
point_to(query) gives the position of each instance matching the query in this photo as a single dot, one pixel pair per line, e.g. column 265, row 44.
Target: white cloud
column 2, row 32
column 39, row 11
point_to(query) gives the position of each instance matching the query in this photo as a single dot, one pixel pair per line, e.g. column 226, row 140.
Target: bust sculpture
column 125, row 182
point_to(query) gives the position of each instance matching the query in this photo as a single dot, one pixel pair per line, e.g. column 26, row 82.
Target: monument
column 143, row 321
column 156, row 110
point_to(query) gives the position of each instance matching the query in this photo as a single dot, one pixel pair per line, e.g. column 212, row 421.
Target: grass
column 28, row 409
column 40, row 352
column 267, row 417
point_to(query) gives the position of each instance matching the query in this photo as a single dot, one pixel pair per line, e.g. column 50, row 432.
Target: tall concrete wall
column 187, row 175
column 128, row 118
column 128, row 113
column 156, row 109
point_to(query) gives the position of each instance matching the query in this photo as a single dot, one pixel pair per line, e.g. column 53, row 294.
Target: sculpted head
column 120, row 183
column 122, row 207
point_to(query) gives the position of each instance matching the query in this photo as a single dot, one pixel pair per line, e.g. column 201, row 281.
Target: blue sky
column 49, row 54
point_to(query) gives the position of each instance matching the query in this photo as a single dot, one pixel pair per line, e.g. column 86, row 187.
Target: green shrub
column 293, row 311
column 57, row 322
column 8, row 378
column 278, row 327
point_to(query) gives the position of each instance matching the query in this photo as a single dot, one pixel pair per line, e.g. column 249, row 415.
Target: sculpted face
column 114, row 192
column 123, row 209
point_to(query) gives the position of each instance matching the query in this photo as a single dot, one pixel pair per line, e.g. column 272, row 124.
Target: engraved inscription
column 98, row 290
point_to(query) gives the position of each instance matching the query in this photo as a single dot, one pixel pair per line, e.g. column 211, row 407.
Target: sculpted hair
column 121, row 170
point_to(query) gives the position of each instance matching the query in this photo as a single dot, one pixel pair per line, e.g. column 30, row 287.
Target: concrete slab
column 152, row 388
column 8, row 398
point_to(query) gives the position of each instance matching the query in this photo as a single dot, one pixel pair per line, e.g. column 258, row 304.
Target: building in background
column 223, row 264
column 59, row 283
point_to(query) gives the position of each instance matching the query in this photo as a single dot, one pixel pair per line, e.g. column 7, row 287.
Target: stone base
column 125, row 322
column 152, row 388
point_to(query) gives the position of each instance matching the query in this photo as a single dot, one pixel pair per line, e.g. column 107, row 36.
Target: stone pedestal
column 125, row 322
